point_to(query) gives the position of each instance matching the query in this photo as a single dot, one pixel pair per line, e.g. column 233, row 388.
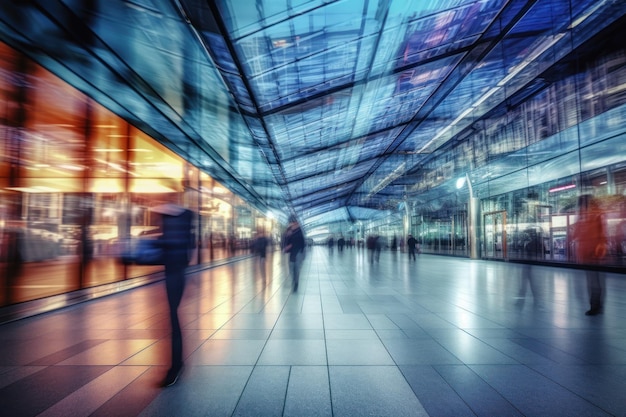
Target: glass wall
column 530, row 163
column 77, row 184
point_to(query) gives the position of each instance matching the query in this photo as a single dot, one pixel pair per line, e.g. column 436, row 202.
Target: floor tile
column 435, row 394
column 88, row 398
column 534, row 394
column 264, row 394
column 293, row 352
column 227, row 352
column 372, row 390
column 357, row 352
column 308, row 392
column 419, row 352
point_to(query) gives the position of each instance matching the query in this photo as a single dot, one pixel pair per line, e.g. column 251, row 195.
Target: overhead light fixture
column 35, row 189
column 562, row 188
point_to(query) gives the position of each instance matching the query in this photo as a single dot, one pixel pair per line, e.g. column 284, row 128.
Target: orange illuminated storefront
column 77, row 182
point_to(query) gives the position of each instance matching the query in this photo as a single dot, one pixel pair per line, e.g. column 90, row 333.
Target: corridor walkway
column 437, row 337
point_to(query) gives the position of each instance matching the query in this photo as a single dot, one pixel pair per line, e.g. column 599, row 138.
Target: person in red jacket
column 590, row 246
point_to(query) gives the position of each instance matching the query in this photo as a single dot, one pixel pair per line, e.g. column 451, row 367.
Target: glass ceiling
column 320, row 108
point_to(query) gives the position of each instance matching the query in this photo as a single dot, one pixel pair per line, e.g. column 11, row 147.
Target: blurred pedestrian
column 371, row 247
column 330, row 243
column 411, row 244
column 294, row 245
column 341, row 242
column 528, row 280
column 259, row 246
column 590, row 240
column 176, row 242
column 380, row 243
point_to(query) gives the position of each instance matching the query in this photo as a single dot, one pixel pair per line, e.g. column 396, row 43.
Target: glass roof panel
column 312, row 169
column 308, row 77
column 363, row 212
column 430, row 29
column 328, row 178
column 332, row 195
column 297, row 39
column 394, row 100
column 328, row 217
column 242, row 20
column 307, row 54
column 523, row 50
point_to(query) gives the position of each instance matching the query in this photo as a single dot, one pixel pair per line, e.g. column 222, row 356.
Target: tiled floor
column 437, row 337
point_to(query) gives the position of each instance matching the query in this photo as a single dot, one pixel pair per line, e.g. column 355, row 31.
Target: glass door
column 459, row 234
column 495, row 234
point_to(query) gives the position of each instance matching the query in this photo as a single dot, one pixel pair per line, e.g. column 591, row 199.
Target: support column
column 473, row 226
column 406, row 224
column 473, row 220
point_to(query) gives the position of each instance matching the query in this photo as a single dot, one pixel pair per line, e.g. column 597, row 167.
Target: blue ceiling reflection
column 322, row 108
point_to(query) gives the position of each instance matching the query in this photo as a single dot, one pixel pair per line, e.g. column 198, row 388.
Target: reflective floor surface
column 440, row 336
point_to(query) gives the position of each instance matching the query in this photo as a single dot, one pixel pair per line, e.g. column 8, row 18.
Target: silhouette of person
column 260, row 249
column 589, row 237
column 331, row 244
column 260, row 246
column 371, row 247
column 532, row 248
column 294, row 245
column 341, row 242
column 380, row 242
column 176, row 242
column 411, row 244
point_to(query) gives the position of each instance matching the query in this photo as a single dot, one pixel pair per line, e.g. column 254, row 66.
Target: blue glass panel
column 445, row 27
column 323, row 209
column 310, row 76
column 241, row 19
column 220, row 52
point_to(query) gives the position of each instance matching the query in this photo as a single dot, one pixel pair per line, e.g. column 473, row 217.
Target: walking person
column 380, row 243
column 411, row 244
column 176, row 242
column 589, row 236
column 260, row 244
column 341, row 242
column 331, row 244
column 371, row 247
column 294, row 245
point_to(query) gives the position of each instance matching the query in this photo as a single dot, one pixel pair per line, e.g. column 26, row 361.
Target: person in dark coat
column 260, row 246
column 371, row 247
column 331, row 244
column 176, row 243
column 261, row 242
column 411, row 244
column 294, row 245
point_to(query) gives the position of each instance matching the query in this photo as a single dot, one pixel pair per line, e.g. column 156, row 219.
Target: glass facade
column 529, row 165
column 76, row 186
